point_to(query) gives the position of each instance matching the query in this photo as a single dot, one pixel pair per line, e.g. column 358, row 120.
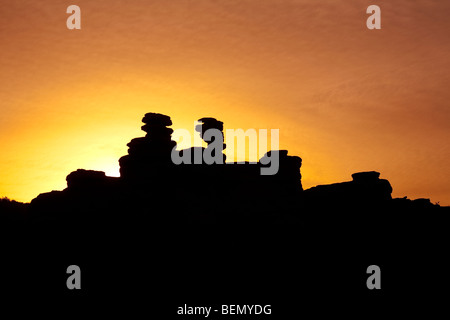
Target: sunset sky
column 345, row 98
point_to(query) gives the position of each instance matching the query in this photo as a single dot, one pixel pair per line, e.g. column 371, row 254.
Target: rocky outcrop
column 148, row 154
column 366, row 187
column 150, row 179
column 208, row 124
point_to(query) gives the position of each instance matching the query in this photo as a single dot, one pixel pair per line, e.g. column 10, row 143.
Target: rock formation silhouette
column 147, row 155
column 221, row 230
column 366, row 187
column 149, row 180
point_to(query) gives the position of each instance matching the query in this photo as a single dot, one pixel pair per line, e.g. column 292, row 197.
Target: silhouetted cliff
column 232, row 192
column 221, row 230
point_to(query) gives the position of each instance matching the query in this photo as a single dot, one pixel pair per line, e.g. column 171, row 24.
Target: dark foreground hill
column 196, row 233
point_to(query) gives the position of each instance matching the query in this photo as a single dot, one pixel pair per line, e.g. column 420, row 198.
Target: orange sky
column 345, row 98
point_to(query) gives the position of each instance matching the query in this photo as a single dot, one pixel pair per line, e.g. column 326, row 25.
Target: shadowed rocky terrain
column 208, row 231
column 151, row 185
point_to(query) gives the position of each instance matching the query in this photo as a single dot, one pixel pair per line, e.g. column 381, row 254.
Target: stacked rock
column 210, row 123
column 152, row 150
column 288, row 173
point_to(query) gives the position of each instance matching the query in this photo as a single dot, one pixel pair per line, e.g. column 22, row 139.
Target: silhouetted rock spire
column 206, row 124
column 145, row 154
